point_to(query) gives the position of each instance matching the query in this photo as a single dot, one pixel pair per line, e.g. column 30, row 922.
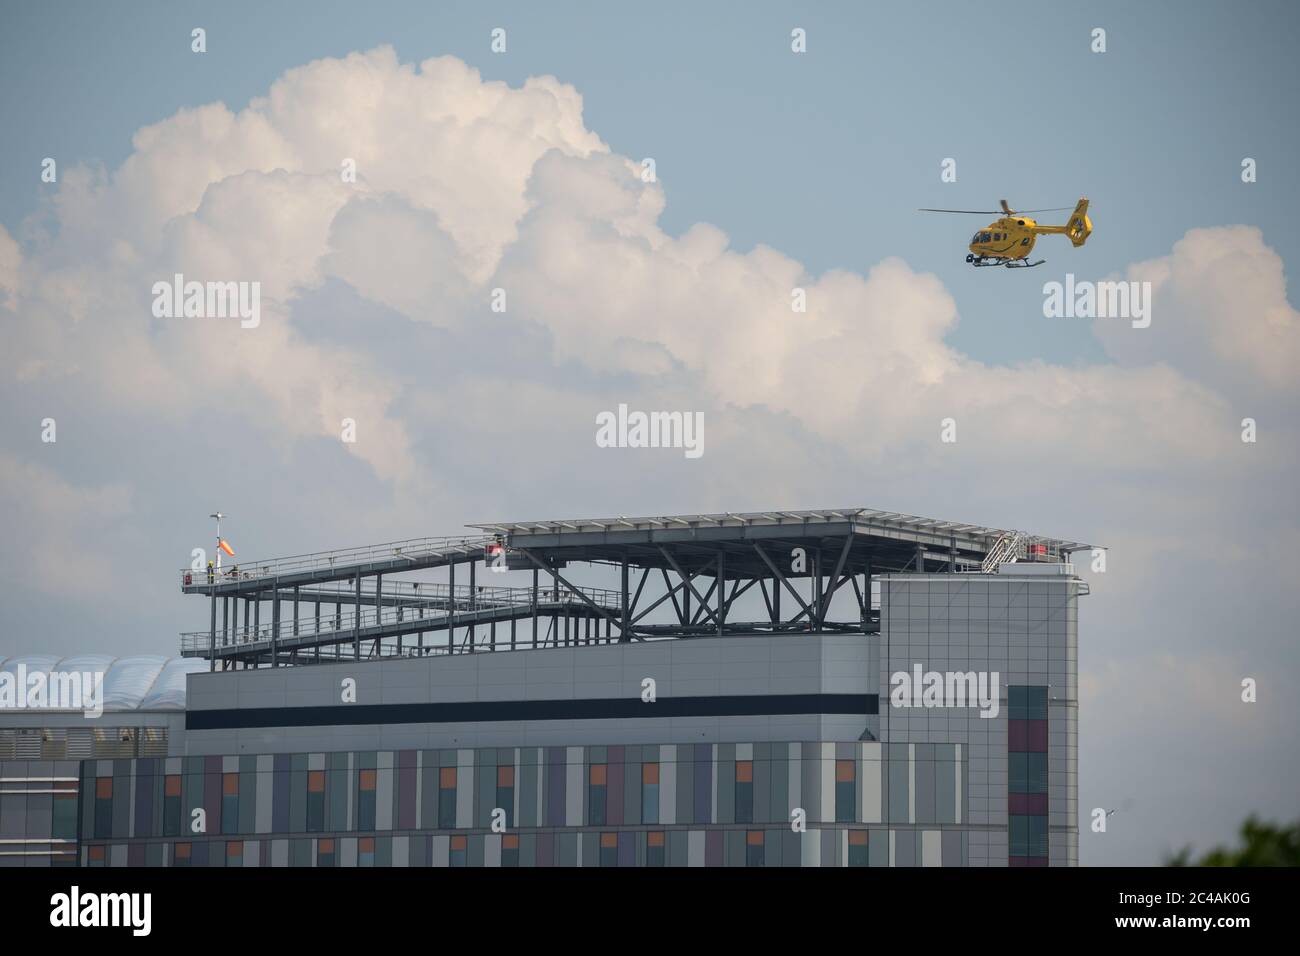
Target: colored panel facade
column 125, row 814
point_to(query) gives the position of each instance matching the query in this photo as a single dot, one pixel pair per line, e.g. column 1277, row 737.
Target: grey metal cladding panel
column 215, row 690
column 762, row 786
column 734, row 665
column 926, row 811
column 951, row 848
column 830, row 727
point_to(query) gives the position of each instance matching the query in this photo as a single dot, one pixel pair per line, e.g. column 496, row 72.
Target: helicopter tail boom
column 1077, row 230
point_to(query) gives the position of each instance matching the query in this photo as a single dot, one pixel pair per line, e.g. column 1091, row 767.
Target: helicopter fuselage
column 1011, row 237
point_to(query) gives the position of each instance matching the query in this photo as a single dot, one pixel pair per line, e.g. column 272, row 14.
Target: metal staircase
column 1006, row 549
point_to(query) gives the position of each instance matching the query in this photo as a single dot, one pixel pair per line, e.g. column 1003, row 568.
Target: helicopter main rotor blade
column 998, row 212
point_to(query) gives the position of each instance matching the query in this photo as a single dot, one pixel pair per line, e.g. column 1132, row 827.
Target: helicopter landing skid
column 984, row 261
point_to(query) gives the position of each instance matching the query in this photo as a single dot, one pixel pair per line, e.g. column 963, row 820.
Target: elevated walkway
column 439, row 608
column 254, row 577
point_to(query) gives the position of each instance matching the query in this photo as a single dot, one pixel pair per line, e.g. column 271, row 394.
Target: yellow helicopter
column 1009, row 241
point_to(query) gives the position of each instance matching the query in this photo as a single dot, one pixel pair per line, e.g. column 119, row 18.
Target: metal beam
column 356, row 623
column 704, row 604
column 636, row 598
column 275, row 632
column 722, row 591
column 672, row 590
column 708, row 596
column 798, row 617
column 737, row 591
column 569, row 587
column 781, row 577
column 212, row 641
column 625, row 619
column 835, row 576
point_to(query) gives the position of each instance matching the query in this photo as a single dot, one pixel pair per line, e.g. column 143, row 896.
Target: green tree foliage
column 1263, row 844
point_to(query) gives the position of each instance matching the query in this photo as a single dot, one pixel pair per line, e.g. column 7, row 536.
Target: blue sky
column 827, row 155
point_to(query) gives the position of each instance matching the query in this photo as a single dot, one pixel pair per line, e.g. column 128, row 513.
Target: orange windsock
column 224, row 545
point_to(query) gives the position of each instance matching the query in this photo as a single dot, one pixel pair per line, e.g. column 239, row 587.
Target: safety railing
column 416, row 594
column 413, row 548
column 460, row 601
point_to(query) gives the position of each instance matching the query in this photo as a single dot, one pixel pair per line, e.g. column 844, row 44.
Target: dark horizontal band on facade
column 477, row 711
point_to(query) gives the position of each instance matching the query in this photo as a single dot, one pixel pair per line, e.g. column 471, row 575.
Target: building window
column 1027, row 703
column 506, row 792
column 103, row 807
column 609, row 849
column 858, row 848
column 655, row 854
column 447, row 798
column 172, row 804
column 234, row 853
column 1028, row 840
column 325, row 855
column 744, row 791
column 315, row 800
column 1027, row 795
column 510, row 849
column 754, row 848
column 650, row 793
column 63, row 815
column 1027, row 772
column 181, row 854
column 366, row 782
column 95, row 856
column 597, row 790
column 845, row 791
column 458, row 854
column 366, row 851
column 230, row 803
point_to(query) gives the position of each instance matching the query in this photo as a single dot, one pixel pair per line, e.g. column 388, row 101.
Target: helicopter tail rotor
column 1080, row 226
